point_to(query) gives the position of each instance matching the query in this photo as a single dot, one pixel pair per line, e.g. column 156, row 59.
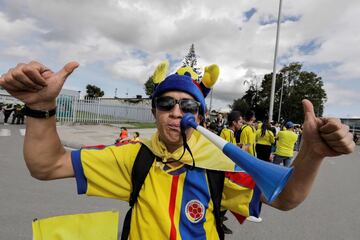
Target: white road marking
column 5, row 132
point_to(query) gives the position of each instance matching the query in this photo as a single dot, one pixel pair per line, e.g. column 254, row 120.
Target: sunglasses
column 166, row 103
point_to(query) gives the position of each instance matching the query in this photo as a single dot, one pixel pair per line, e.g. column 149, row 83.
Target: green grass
column 141, row 125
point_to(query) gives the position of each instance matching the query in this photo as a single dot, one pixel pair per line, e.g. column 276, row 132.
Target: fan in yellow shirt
column 286, row 140
column 264, row 140
column 234, row 120
column 247, row 136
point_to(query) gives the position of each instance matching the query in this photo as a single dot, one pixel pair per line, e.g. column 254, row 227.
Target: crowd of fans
column 15, row 112
column 264, row 134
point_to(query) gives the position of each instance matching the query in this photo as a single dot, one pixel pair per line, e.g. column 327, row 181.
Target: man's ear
column 153, row 111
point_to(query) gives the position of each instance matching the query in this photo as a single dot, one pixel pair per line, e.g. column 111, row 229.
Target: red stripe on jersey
column 100, row 146
column 241, row 178
column 174, row 187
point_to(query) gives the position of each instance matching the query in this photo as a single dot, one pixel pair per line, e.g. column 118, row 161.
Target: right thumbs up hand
column 35, row 84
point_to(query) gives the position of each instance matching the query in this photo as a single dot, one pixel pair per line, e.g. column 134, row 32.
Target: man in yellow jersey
column 175, row 199
column 285, row 144
column 248, row 135
column 234, row 121
column 247, row 142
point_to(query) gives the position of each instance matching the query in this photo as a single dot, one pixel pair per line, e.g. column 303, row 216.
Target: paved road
column 332, row 212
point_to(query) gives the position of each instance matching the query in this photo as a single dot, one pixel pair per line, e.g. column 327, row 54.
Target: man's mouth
column 174, row 126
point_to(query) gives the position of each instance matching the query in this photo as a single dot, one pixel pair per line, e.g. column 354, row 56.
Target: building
column 353, row 123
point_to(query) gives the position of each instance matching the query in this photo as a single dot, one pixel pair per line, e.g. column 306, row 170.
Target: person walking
column 286, row 140
column 8, row 109
column 234, row 120
column 247, row 135
column 264, row 141
column 247, row 143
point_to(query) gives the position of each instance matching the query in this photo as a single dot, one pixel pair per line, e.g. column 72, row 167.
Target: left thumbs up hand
column 321, row 137
column 325, row 137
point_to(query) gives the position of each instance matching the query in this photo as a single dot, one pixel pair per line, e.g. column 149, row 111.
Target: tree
column 93, row 91
column 240, row 105
column 250, row 100
column 149, row 86
column 297, row 85
column 191, row 61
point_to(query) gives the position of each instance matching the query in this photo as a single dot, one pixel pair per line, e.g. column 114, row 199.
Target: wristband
column 39, row 113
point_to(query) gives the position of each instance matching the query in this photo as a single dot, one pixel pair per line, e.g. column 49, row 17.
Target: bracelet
column 39, row 113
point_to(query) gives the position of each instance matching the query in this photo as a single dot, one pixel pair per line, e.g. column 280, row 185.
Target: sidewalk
column 80, row 135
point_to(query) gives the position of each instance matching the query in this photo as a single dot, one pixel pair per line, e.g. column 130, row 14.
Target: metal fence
column 72, row 109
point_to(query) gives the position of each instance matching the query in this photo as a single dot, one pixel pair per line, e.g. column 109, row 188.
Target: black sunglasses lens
column 165, row 103
column 189, row 106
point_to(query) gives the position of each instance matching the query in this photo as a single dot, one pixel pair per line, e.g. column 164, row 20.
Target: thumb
column 67, row 70
column 308, row 110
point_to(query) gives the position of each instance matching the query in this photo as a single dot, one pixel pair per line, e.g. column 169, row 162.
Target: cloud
column 340, row 96
column 17, row 28
column 128, row 38
column 18, row 52
column 139, row 70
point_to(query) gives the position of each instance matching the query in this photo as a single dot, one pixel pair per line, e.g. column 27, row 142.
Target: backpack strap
column 140, row 170
column 216, row 186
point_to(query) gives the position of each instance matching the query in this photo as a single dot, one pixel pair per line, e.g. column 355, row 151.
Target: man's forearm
column 42, row 147
column 306, row 167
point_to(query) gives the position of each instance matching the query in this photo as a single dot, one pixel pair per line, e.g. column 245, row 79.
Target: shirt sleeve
column 105, row 172
column 241, row 195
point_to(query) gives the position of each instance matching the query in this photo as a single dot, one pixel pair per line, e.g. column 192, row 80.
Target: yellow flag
column 85, row 226
column 205, row 154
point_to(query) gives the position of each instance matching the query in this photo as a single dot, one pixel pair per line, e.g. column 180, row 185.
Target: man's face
column 168, row 122
column 238, row 124
column 253, row 119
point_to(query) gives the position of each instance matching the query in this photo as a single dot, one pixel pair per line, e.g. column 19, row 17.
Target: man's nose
column 176, row 111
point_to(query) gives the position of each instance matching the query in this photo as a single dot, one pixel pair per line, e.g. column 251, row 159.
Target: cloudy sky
column 119, row 43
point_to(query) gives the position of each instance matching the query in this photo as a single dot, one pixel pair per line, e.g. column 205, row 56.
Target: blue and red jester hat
column 185, row 80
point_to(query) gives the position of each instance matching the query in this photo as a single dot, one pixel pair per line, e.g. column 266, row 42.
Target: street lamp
column 281, row 95
column 271, row 109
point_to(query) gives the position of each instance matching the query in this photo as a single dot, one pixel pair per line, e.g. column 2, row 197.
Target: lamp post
column 281, row 94
column 271, row 109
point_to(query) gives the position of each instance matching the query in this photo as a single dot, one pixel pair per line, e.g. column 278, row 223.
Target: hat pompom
column 160, row 72
column 211, row 74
